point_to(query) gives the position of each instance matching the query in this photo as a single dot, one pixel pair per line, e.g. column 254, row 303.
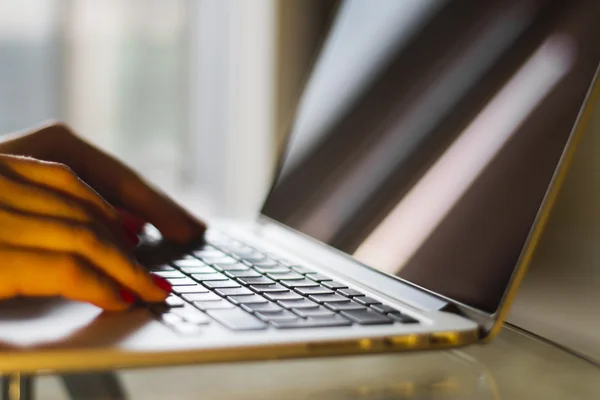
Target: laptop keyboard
column 243, row 288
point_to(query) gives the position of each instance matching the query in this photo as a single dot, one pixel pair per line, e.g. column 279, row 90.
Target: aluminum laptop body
column 387, row 192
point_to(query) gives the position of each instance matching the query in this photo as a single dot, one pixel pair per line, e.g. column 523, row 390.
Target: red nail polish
column 131, row 221
column 127, row 296
column 132, row 236
column 162, row 283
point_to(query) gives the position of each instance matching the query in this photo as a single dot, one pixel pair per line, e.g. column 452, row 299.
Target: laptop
column 408, row 201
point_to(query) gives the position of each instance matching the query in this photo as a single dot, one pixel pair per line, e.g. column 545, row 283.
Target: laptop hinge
column 451, row 308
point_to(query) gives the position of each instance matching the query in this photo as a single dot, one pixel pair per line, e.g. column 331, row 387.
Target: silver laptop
column 407, row 204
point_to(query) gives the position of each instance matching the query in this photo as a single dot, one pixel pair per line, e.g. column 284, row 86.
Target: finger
column 113, row 180
column 90, row 241
column 53, row 189
column 130, row 220
column 131, row 192
column 60, row 177
column 120, row 185
column 29, row 272
column 16, row 194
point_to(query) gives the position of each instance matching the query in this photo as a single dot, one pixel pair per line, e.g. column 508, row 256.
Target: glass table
column 514, row 366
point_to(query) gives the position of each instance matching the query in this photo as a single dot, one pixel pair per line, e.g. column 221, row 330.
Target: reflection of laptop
column 440, row 211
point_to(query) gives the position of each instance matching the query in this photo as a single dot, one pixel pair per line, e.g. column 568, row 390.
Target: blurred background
column 190, row 93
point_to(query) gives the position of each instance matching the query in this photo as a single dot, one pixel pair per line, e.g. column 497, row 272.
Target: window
column 179, row 89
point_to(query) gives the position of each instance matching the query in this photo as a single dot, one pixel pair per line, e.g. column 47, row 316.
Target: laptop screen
column 428, row 134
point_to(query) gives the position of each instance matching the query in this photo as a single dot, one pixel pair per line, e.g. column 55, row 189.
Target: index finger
column 120, row 185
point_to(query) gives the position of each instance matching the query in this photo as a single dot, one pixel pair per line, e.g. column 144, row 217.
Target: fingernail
column 162, row 283
column 131, row 236
column 131, row 221
column 127, row 296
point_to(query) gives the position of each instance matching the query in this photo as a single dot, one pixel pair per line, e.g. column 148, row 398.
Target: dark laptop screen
column 428, row 134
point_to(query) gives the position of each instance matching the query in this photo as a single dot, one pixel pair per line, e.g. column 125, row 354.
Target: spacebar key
column 236, row 319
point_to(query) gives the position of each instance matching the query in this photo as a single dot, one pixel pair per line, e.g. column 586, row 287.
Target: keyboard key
column 213, row 305
column 274, row 288
column 287, row 277
column 281, row 261
column 405, row 319
column 367, row 301
column 302, row 270
column 350, row 292
column 345, row 306
column 201, row 297
column 212, row 235
column 209, row 252
column 198, row 270
column 170, row 318
column 336, row 320
column 283, row 296
column 367, row 317
column 300, row 283
column 318, row 312
column 318, row 277
column 243, row 274
column 187, row 257
column 220, row 284
column 188, row 262
column 274, row 270
column 187, row 328
column 243, row 248
column 329, row 298
column 227, row 242
column 254, row 258
column 222, row 238
column 249, row 255
column 266, row 270
column 280, row 316
column 298, row 304
column 191, row 314
column 232, row 267
column 210, row 277
column 234, row 291
column 237, row 319
column 197, row 288
column 256, row 281
column 331, row 284
column 174, row 301
column 262, row 307
column 163, row 267
column 170, row 302
column 266, row 263
column 307, row 291
column 169, row 274
column 332, row 321
column 383, row 308
column 219, row 260
column 242, row 251
column 247, row 299
column 181, row 282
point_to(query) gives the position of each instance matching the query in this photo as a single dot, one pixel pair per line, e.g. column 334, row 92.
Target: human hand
column 59, row 233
